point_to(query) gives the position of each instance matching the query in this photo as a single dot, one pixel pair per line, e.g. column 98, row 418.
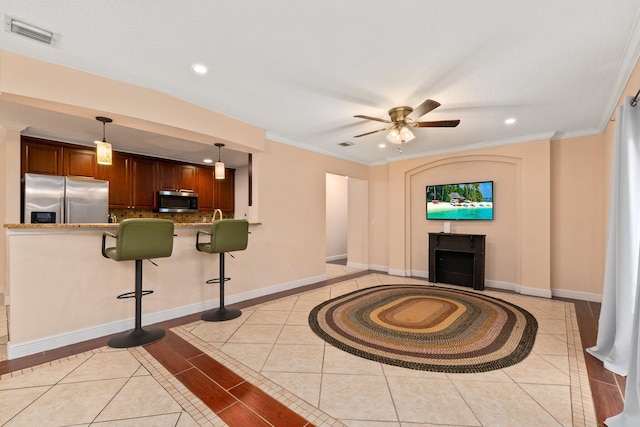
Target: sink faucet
column 214, row 214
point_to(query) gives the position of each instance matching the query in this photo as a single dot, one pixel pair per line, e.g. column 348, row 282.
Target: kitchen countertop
column 103, row 225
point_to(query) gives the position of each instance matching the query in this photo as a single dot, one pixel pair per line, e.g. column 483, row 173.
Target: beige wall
column 358, row 227
column 9, row 192
column 292, row 209
column 579, row 202
column 379, row 217
column 518, row 240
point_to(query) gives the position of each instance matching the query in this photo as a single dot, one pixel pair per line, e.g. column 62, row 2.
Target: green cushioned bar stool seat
column 138, row 239
column 226, row 235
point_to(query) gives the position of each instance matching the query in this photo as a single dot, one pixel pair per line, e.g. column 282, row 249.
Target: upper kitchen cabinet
column 132, row 181
column 176, row 176
column 205, row 188
column 167, row 176
column 79, row 162
column 144, row 183
column 187, row 177
column 40, row 157
column 224, row 197
column 119, row 176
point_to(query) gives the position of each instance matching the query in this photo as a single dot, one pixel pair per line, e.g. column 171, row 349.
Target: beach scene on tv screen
column 460, row 201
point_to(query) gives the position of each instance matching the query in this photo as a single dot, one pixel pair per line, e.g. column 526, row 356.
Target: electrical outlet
column 287, row 268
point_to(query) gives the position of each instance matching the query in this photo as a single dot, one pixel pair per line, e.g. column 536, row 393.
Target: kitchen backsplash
column 202, row 216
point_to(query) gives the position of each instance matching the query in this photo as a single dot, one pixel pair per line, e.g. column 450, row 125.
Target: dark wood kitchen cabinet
column 224, row 193
column 187, row 177
column 132, row 182
column 144, row 183
column 79, row 162
column 119, row 176
column 205, row 188
column 40, row 157
column 177, row 177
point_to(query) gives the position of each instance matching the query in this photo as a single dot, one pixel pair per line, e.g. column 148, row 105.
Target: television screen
column 472, row 200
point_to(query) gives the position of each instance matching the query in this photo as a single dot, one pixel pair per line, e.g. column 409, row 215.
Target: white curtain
column 617, row 342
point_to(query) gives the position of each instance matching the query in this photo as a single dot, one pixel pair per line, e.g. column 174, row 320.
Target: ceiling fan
column 403, row 118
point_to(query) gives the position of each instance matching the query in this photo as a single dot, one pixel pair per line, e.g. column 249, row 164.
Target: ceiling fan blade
column 369, row 133
column 424, row 108
column 372, row 118
column 438, row 124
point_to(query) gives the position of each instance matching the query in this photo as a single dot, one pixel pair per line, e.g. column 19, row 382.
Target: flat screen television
column 469, row 200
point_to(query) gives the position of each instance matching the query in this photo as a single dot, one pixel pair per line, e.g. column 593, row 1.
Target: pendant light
column 218, row 168
column 104, row 154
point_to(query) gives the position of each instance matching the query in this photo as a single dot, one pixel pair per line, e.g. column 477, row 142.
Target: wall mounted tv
column 469, row 200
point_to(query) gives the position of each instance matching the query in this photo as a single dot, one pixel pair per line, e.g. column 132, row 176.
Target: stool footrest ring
column 132, row 294
column 212, row 281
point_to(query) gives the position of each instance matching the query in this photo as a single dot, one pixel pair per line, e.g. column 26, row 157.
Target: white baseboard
column 336, row 257
column 420, row 273
column 534, row 292
column 15, row 350
column 394, row 272
column 358, row 265
column 543, row 293
column 382, row 268
column 519, row 289
column 583, row 296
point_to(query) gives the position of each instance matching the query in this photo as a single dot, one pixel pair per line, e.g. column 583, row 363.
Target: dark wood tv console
column 457, row 259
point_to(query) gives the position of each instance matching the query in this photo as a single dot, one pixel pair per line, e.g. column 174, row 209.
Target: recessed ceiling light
column 199, row 69
column 382, row 145
column 208, row 161
column 510, row 121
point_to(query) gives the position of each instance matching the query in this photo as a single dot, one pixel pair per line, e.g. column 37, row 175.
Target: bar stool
column 226, row 235
column 139, row 239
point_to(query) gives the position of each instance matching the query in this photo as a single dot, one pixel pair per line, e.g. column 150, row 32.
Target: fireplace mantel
column 457, row 259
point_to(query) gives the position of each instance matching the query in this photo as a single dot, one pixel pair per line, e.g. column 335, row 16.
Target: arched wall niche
column 503, row 244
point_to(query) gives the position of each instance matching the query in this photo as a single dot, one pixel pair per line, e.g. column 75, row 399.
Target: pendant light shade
column 104, row 154
column 218, row 168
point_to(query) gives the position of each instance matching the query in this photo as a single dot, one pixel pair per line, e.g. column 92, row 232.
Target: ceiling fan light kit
column 402, row 118
column 400, row 136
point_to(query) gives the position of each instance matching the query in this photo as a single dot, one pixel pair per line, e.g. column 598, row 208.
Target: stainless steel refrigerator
column 64, row 199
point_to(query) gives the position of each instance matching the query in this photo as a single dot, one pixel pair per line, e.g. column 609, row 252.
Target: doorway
column 346, row 225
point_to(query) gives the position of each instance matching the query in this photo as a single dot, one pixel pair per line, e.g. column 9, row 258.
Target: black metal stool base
column 221, row 314
column 136, row 337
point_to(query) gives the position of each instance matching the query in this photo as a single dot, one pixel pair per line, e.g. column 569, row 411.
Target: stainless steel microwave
column 177, row 201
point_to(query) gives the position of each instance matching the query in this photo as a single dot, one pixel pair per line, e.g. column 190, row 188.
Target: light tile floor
column 273, row 347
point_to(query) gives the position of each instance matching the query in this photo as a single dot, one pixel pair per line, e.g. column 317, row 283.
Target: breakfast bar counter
column 61, row 289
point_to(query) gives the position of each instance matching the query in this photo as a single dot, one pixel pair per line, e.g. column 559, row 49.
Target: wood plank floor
column 607, row 388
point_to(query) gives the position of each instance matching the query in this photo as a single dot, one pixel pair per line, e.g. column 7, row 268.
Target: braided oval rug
column 427, row 328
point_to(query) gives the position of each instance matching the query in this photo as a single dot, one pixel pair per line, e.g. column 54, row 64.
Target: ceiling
column 302, row 70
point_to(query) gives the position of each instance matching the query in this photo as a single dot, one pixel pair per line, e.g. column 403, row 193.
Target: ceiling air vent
column 32, row 32
column 346, row 144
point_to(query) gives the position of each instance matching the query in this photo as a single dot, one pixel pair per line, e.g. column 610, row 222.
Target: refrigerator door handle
column 64, row 206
